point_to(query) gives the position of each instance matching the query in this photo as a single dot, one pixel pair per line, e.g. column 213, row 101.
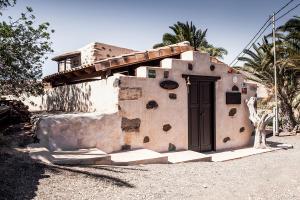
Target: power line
column 283, row 7
column 250, row 46
column 250, row 41
column 288, row 12
column 264, row 29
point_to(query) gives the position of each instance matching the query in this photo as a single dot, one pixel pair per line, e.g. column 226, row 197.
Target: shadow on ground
column 20, row 175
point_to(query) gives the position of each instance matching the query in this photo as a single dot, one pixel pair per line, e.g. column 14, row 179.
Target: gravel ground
column 274, row 175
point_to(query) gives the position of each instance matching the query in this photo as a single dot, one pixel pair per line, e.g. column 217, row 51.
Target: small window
column 151, row 73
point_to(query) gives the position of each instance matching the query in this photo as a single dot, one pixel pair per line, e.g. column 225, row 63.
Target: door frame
column 213, row 80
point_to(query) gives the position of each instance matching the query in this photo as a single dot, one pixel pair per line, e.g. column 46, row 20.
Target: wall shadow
column 69, row 98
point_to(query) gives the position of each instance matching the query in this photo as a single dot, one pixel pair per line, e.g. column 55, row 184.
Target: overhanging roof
column 98, row 67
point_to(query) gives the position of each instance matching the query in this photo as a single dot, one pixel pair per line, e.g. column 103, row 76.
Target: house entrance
column 201, row 113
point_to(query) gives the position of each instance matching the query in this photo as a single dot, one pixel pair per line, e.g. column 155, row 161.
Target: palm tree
column 217, row 52
column 290, row 32
column 196, row 37
column 259, row 63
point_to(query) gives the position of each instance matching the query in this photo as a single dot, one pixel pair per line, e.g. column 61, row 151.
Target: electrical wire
column 263, row 30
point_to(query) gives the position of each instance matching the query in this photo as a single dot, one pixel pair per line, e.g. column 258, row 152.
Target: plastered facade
column 124, row 100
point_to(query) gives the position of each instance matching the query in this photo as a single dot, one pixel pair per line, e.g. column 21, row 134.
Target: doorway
column 201, row 113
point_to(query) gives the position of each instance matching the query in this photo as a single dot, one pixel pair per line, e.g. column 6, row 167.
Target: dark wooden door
column 201, row 115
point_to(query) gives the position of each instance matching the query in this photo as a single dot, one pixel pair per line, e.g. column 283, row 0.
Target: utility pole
column 275, row 122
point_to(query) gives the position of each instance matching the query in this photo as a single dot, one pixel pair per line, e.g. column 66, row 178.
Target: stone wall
column 99, row 51
column 84, row 130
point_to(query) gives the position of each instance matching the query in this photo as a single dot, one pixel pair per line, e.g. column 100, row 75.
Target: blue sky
column 138, row 24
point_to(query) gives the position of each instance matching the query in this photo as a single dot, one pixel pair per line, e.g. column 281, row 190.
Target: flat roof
column 66, row 55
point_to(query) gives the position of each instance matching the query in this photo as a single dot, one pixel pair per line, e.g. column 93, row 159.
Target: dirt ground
column 274, row 175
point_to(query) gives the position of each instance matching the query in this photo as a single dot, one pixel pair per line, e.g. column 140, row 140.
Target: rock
column 173, row 96
column 242, row 129
column 232, row 112
column 146, row 139
column 130, row 93
column 167, row 127
column 152, row 105
column 130, row 125
column 172, row 147
column 169, row 85
column 226, row 139
column 126, row 147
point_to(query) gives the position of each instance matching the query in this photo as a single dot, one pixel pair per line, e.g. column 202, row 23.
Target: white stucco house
column 165, row 99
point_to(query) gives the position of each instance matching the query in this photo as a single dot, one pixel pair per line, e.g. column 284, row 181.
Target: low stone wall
column 73, row 131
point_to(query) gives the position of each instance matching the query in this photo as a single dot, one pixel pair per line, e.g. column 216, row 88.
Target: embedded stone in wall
column 125, row 147
column 226, row 139
column 146, row 139
column 167, row 127
column 130, row 125
column 169, row 85
column 235, row 88
column 166, row 74
column 173, row 96
column 212, row 67
column 130, row 93
column 172, row 147
column 190, row 66
column 242, row 129
column 232, row 112
column 152, row 105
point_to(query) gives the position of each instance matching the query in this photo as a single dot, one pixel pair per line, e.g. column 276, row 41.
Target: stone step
column 76, row 157
column 91, row 151
column 187, row 156
column 81, row 159
column 138, row 156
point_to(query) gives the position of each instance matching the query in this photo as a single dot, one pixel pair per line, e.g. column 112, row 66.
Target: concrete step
column 76, row 157
column 238, row 153
column 95, row 157
column 139, row 156
column 186, row 156
column 40, row 153
column 91, row 151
